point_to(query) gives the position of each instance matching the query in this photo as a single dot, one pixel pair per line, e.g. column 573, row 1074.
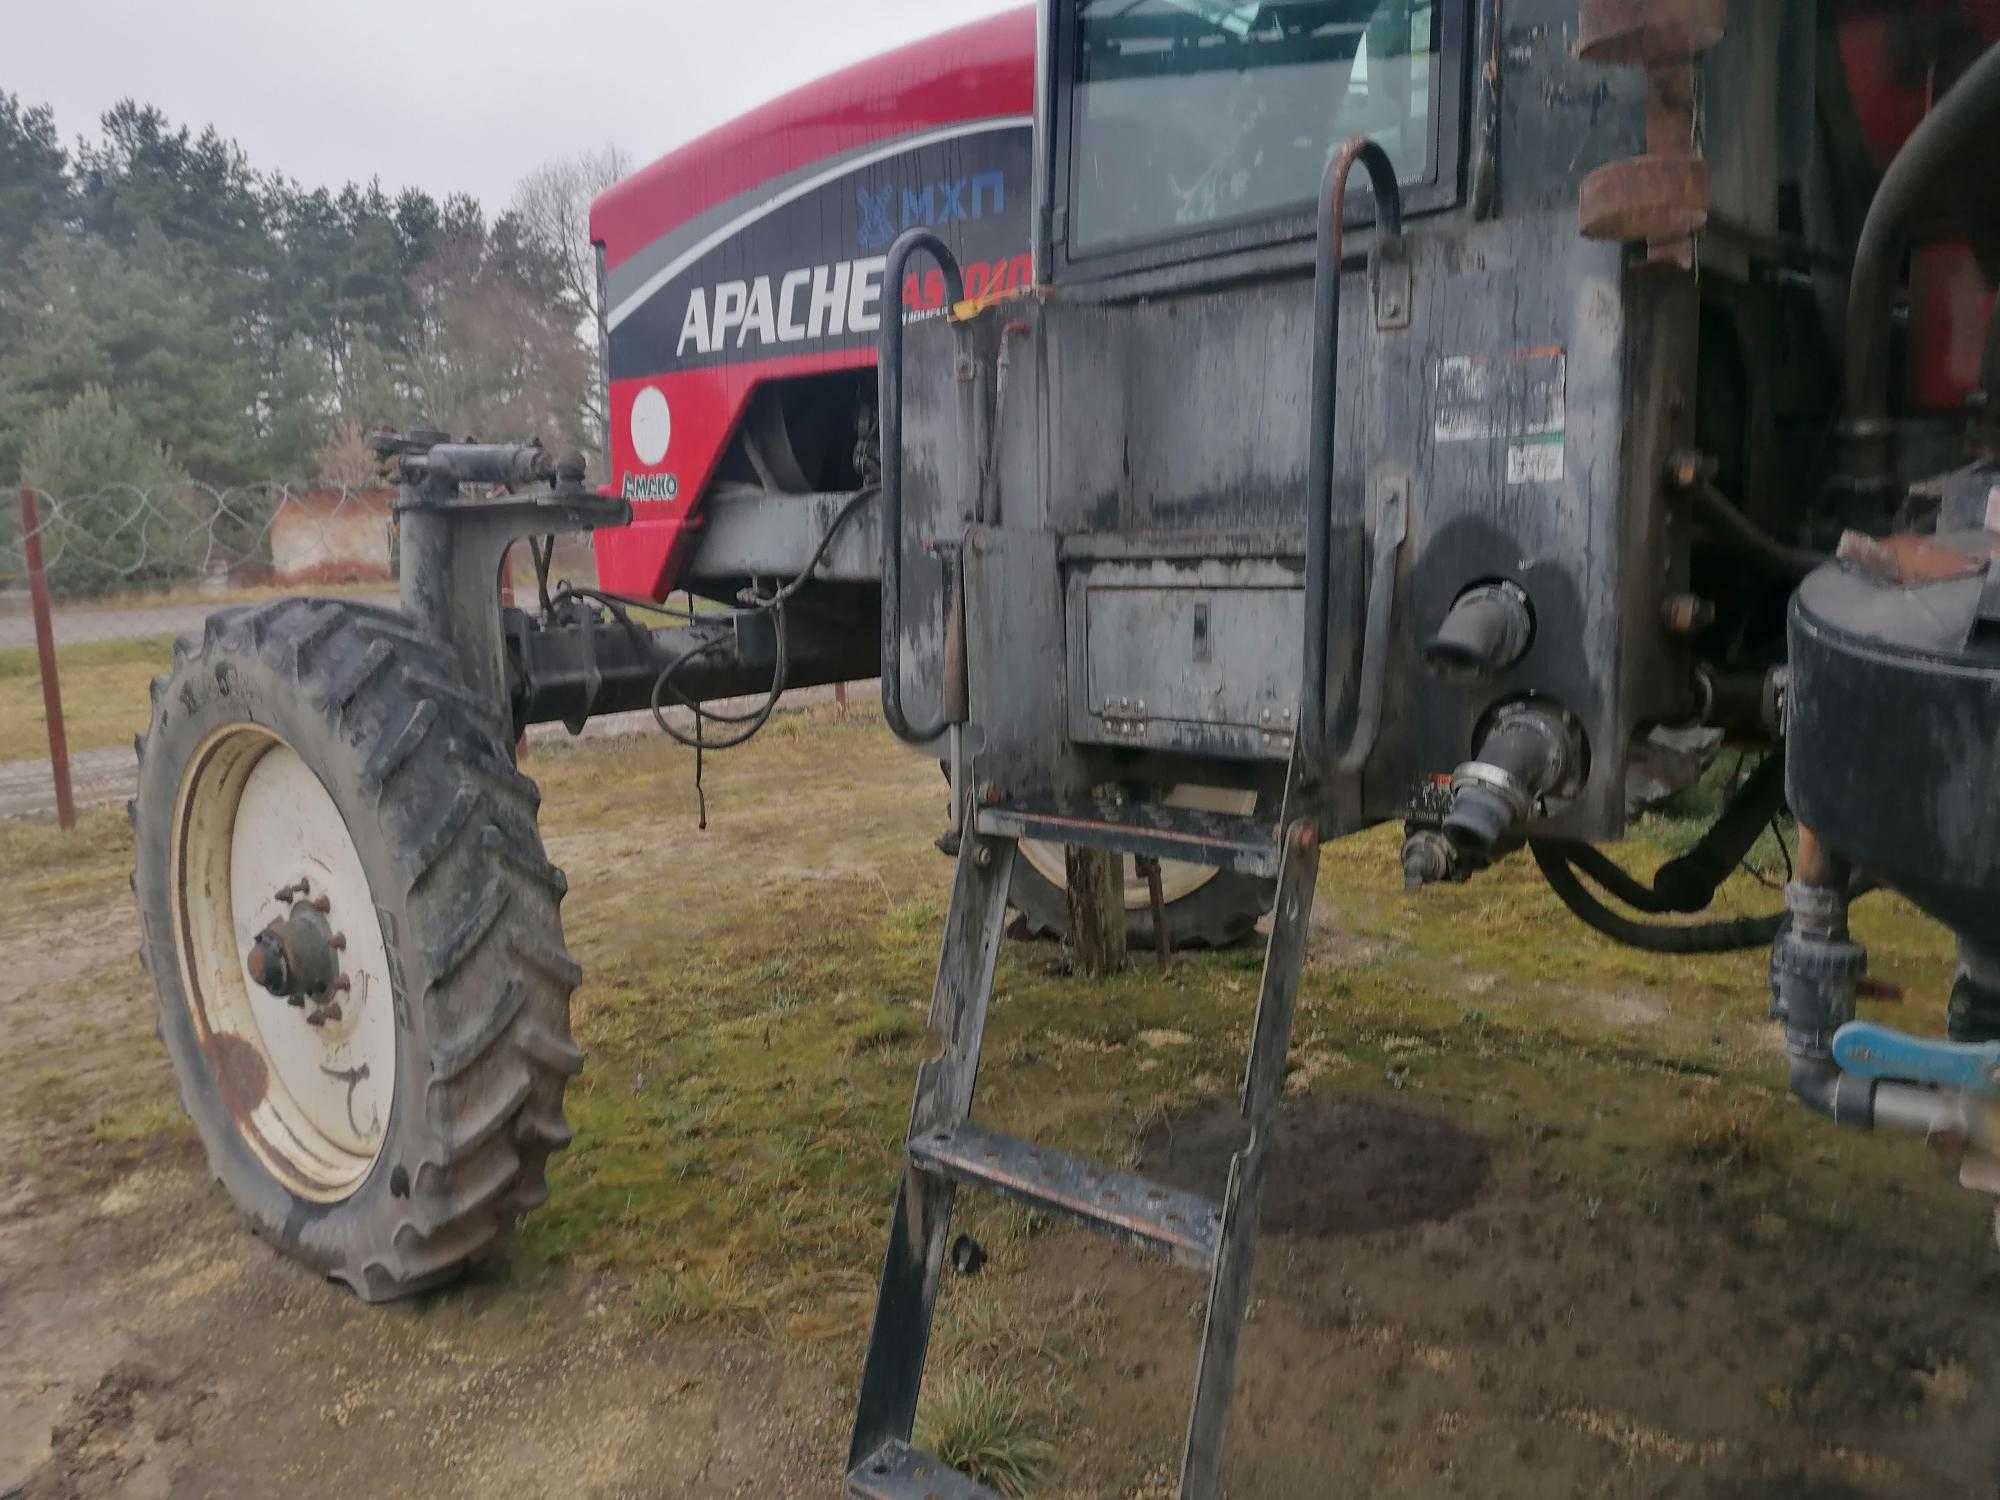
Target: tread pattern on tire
column 480, row 904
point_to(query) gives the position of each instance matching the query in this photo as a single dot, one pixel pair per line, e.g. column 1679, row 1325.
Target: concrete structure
column 332, row 536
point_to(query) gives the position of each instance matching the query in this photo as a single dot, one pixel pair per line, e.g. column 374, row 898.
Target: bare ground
column 1542, row 1223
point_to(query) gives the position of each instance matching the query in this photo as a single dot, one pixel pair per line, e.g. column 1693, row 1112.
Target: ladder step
column 1245, row 845
column 896, row 1471
column 1185, row 1226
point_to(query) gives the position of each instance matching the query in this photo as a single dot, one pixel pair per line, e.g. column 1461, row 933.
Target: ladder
column 946, row 1150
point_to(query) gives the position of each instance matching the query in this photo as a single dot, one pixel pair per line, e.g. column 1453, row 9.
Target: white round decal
column 652, row 425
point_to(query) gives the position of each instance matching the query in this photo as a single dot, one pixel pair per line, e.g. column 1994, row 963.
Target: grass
column 980, row 1425
column 667, row 1298
column 753, row 1054
column 135, row 1124
column 105, row 694
column 1666, row 1265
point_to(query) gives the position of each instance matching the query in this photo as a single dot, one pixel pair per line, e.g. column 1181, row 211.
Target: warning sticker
column 1539, row 462
column 1516, row 398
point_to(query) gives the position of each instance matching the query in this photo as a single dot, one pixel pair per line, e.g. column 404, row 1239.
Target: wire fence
column 122, row 540
column 125, row 562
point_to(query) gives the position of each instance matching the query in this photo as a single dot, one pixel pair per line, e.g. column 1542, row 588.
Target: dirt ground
column 1543, row 1222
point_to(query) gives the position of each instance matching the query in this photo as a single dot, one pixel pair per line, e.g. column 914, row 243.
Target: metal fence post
column 45, row 650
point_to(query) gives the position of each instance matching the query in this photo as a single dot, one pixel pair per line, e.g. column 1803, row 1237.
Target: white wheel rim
column 1178, row 879
column 312, row 1101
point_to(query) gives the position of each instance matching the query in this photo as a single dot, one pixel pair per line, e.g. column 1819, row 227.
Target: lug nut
column 1688, row 467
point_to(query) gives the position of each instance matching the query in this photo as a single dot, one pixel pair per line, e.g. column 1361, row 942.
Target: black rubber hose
column 1620, row 882
column 1688, row 883
column 1958, row 122
column 1791, row 563
column 1653, row 937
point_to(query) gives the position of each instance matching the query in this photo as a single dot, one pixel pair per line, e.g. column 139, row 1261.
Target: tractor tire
column 1205, row 908
column 318, row 767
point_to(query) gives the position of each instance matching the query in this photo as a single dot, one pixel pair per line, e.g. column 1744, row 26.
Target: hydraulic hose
column 1688, row 884
column 1958, row 121
column 1652, row 937
column 1789, row 563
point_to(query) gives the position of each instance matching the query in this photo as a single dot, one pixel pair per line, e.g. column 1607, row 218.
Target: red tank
column 754, row 255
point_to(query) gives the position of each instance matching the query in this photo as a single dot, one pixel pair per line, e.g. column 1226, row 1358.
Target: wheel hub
column 297, row 957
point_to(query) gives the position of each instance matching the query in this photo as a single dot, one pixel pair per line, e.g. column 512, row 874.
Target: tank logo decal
column 930, row 205
column 826, row 301
column 764, row 206
column 877, row 229
column 650, row 487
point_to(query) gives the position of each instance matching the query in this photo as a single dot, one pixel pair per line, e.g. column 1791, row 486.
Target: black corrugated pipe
column 1956, row 122
column 1487, row 630
column 889, row 359
column 1329, row 252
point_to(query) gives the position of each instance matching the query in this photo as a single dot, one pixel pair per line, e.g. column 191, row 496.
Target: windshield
column 1189, row 114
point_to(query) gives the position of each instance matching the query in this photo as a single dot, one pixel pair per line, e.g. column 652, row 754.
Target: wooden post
column 1096, row 911
column 45, row 651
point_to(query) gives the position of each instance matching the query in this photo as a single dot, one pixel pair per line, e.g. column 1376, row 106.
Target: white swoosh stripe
column 796, row 191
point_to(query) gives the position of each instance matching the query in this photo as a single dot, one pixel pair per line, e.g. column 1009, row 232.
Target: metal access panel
column 1199, row 657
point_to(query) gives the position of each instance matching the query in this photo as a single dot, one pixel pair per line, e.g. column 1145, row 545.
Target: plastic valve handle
column 1866, row 1050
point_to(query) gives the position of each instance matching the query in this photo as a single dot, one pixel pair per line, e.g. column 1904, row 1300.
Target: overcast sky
column 447, row 95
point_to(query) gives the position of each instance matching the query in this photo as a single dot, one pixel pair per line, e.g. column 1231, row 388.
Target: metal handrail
column 1313, row 729
column 889, row 372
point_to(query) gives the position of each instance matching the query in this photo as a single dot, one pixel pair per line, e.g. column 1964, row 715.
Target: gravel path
column 27, row 791
column 82, row 627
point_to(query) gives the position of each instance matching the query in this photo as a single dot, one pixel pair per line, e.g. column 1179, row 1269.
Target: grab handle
column 889, row 371
column 1329, row 252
